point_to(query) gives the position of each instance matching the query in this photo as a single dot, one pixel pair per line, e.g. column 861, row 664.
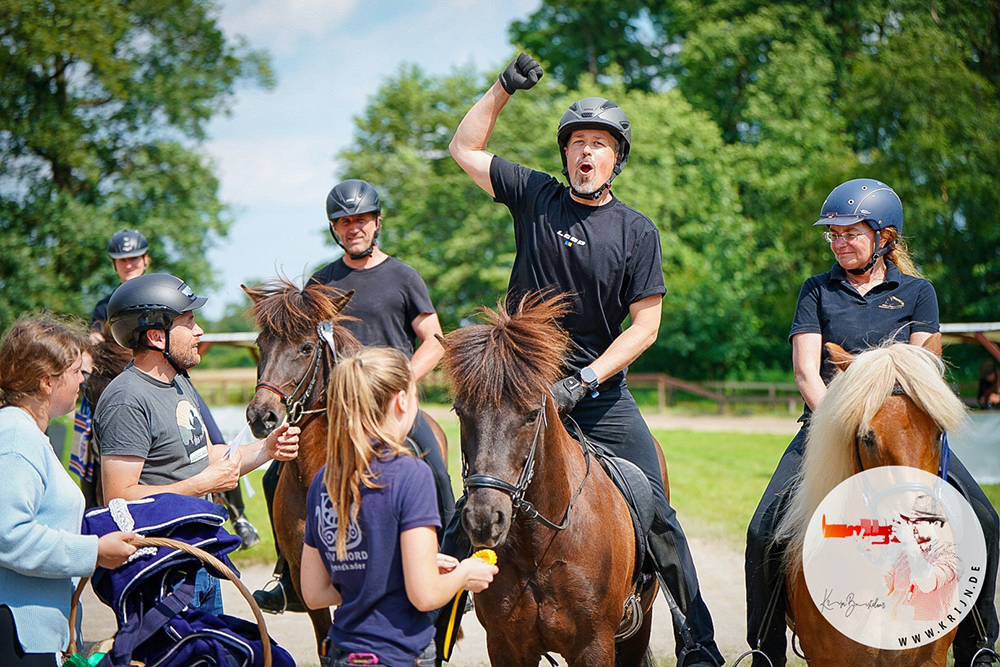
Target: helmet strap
column 596, row 194
column 165, row 351
column 364, row 253
column 879, row 252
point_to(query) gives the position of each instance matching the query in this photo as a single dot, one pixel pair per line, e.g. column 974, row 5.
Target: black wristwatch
column 589, row 379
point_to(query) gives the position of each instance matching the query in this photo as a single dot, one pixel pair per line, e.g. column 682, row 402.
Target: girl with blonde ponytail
column 371, row 541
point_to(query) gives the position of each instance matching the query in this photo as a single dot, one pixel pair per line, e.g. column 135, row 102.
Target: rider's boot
column 278, row 595
column 693, row 629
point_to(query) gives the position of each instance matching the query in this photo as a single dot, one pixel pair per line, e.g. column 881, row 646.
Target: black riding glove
column 568, row 392
column 522, row 73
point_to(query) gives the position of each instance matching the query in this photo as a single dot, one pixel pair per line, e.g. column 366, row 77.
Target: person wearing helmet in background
column 129, row 253
column 584, row 241
column 392, row 308
column 872, row 294
column 149, row 430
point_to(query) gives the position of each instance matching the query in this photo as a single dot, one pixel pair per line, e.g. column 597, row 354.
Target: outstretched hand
column 521, row 74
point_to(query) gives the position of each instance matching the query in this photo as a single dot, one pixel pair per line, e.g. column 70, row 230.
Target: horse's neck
column 312, row 449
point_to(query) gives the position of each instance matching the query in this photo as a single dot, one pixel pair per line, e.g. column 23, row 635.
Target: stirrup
column 269, row 589
column 984, row 651
column 751, row 652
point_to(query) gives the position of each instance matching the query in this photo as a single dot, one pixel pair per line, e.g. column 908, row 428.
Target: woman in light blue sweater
column 41, row 509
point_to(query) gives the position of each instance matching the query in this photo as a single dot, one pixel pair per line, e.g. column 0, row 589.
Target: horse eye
column 531, row 418
column 868, row 439
column 307, row 348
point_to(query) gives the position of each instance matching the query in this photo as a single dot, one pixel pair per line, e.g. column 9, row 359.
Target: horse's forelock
column 847, row 410
column 280, row 308
column 512, row 359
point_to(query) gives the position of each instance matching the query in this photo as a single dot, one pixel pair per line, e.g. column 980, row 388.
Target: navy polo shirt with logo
column 829, row 305
column 606, row 257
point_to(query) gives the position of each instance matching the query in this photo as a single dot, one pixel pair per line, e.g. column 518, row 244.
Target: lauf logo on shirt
column 569, row 240
column 892, row 303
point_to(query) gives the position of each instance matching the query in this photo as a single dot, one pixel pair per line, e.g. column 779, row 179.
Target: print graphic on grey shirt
column 160, row 422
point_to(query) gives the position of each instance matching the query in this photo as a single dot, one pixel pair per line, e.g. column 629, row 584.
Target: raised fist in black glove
column 568, row 392
column 522, row 73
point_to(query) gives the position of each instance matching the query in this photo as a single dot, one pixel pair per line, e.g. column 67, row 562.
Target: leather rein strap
column 517, row 491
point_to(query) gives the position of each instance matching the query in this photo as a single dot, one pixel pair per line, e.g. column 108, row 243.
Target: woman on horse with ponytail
column 371, row 541
column 872, row 294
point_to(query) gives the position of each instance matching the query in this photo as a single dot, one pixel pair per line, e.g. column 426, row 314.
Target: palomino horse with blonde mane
column 889, row 406
column 562, row 532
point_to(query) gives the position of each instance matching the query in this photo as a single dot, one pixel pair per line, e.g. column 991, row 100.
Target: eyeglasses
column 847, row 238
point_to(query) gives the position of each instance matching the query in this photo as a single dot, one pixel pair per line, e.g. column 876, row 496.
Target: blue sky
column 275, row 154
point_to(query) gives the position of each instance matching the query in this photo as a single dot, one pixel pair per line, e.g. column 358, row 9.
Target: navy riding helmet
column 864, row 200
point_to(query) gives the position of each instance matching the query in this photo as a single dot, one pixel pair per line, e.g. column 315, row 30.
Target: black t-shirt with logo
column 897, row 307
column 606, row 257
column 387, row 298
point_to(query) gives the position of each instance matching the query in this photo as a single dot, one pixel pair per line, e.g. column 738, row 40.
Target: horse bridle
column 296, row 402
column 517, row 491
column 898, row 390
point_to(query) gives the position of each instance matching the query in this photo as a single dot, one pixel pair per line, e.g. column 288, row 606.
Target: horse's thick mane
column 279, row 307
column 512, row 359
column 851, row 402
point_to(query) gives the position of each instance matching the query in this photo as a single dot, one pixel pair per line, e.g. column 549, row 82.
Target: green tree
column 440, row 222
column 102, row 105
column 812, row 93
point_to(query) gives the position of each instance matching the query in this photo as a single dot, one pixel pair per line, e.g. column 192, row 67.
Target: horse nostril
column 271, row 420
column 498, row 518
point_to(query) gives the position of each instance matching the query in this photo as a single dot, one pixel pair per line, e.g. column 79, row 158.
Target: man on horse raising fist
column 391, row 307
column 583, row 241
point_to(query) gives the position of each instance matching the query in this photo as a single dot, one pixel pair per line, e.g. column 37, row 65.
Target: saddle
column 638, row 494
column 151, row 593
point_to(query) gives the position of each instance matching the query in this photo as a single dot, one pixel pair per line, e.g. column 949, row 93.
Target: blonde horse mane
column 846, row 412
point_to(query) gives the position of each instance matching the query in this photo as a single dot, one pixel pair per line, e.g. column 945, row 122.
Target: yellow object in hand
column 488, row 556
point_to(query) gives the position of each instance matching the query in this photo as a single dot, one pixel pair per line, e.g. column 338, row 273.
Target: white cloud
column 279, row 24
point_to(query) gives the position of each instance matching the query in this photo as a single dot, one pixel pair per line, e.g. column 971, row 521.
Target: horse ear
column 441, row 340
column 933, row 343
column 340, row 301
column 840, row 357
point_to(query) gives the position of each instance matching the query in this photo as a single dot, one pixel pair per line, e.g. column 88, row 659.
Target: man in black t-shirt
column 583, row 241
column 392, row 308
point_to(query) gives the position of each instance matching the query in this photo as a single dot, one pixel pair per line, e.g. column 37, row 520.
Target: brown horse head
column 110, row 360
column 500, row 373
column 289, row 343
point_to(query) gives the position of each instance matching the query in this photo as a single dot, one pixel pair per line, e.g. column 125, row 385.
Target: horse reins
column 945, row 458
column 296, row 402
column 517, row 491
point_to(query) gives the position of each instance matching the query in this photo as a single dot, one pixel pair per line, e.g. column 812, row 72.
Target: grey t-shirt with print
column 138, row 415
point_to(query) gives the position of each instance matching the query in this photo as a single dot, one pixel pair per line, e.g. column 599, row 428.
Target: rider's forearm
column 426, row 358
column 623, row 351
column 474, row 131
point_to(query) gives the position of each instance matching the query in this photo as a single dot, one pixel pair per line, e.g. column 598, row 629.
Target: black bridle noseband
column 517, row 491
column 296, row 402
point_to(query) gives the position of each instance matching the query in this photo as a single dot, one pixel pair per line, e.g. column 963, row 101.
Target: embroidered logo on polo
column 326, row 520
column 892, row 303
column 569, row 240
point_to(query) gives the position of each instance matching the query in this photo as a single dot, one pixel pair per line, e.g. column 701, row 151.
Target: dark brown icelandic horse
column 568, row 572
column 292, row 378
column 889, row 407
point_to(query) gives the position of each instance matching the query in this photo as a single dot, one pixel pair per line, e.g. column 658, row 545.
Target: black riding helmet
column 596, row 113
column 353, row 197
column 152, row 301
column 127, row 243
column 864, row 200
